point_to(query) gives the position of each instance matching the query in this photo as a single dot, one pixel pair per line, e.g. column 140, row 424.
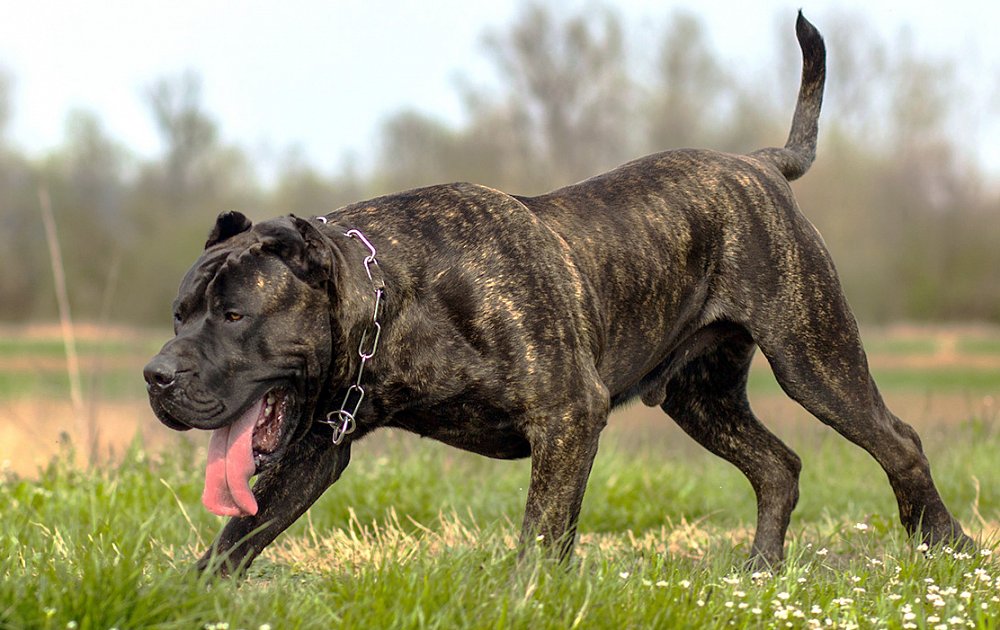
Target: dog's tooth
column 270, row 399
column 268, row 410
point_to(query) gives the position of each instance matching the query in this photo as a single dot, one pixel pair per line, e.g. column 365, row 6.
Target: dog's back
column 663, row 235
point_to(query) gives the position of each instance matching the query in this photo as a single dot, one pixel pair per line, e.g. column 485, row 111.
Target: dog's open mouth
column 235, row 451
column 267, row 431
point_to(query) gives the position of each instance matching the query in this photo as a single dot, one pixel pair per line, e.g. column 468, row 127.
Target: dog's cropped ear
column 227, row 225
column 302, row 247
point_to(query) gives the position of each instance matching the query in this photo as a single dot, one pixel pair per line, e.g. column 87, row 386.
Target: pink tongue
column 230, row 466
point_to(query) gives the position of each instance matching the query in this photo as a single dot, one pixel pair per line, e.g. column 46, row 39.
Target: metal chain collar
column 344, row 420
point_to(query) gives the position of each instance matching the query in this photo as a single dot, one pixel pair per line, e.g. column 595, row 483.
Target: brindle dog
column 510, row 326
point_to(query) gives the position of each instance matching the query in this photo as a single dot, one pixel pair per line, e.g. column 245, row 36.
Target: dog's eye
column 233, row 316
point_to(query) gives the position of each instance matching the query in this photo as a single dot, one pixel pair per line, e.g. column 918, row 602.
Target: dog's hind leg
column 816, row 354
column 707, row 398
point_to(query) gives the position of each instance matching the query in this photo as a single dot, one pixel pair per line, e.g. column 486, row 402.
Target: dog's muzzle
column 160, row 373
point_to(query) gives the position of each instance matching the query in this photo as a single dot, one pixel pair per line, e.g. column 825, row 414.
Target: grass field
column 417, row 535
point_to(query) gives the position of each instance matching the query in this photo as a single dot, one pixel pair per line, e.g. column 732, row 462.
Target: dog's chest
column 473, row 428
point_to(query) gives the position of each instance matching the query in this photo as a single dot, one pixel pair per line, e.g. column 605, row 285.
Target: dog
column 510, row 326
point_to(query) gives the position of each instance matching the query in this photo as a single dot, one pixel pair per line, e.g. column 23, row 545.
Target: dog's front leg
column 562, row 455
column 283, row 493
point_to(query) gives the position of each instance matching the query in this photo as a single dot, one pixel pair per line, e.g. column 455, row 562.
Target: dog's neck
column 357, row 294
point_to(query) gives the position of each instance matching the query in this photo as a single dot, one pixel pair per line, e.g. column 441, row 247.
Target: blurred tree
column 94, row 166
column 22, row 241
column 857, row 72
column 691, row 85
column 5, row 90
column 566, row 95
column 174, row 200
column 417, row 150
column 187, row 133
column 86, row 184
column 302, row 190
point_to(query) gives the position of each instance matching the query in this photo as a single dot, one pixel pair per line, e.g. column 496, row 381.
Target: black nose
column 161, row 372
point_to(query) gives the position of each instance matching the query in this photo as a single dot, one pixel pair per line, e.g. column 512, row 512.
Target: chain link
column 344, row 420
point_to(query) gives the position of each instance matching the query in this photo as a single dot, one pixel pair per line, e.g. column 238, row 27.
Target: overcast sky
column 322, row 75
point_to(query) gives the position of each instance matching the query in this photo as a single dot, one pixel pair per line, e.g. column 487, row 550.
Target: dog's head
column 251, row 351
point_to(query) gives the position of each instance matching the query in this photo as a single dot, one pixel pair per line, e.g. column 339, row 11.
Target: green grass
column 943, row 379
column 126, row 382
column 905, row 346
column 121, row 362
column 417, row 535
column 54, row 346
column 114, row 384
column 978, row 345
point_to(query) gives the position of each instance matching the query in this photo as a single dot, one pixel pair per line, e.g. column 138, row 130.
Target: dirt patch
column 33, row 431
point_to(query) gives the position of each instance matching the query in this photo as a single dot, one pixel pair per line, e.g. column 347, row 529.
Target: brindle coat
column 513, row 325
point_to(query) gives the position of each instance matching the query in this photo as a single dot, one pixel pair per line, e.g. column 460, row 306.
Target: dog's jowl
column 510, row 326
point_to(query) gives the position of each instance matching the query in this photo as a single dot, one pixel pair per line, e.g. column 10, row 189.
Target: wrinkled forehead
column 238, row 266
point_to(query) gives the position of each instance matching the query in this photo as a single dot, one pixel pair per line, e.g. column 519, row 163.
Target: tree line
column 905, row 207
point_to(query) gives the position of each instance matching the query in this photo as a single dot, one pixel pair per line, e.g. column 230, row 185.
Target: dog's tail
column 798, row 153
